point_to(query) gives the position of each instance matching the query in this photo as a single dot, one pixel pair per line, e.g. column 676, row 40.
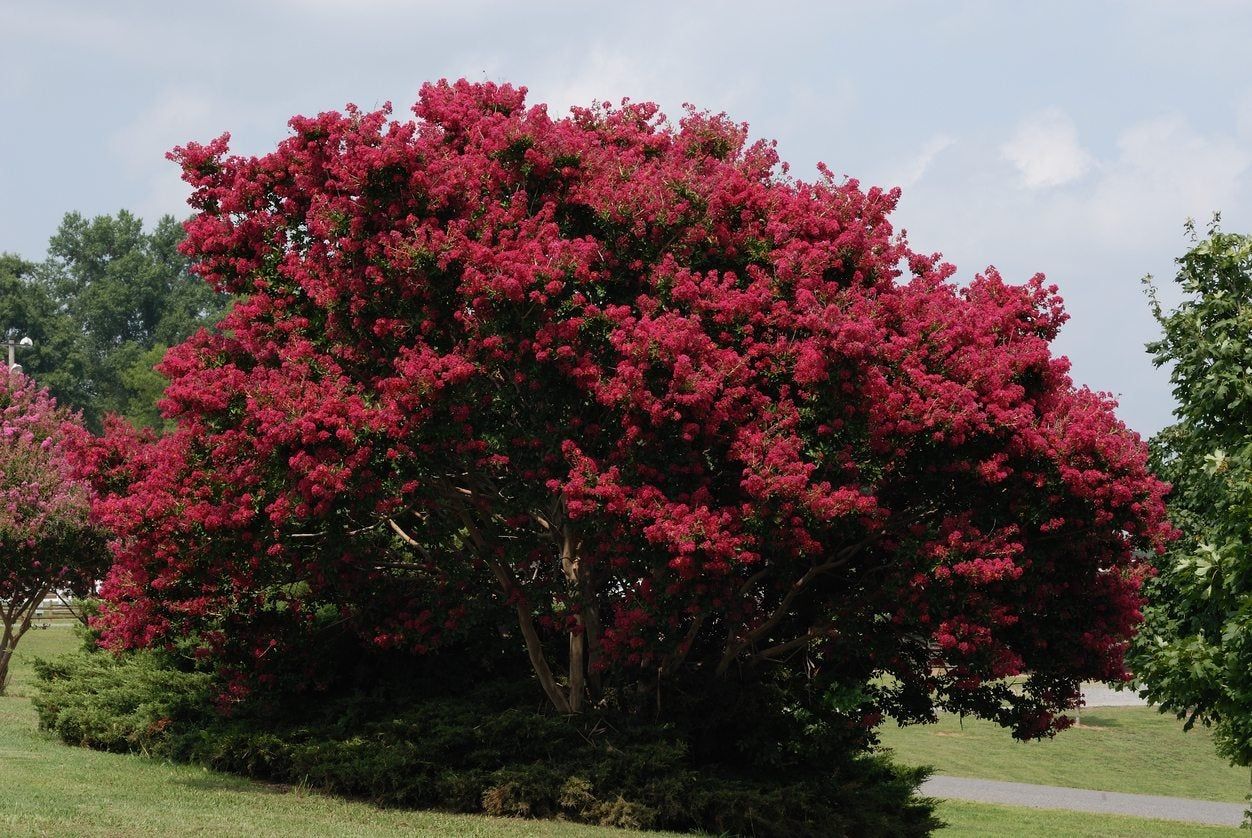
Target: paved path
column 1101, row 695
column 1084, row 800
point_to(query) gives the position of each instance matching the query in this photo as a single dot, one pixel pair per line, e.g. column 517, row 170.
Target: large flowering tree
column 638, row 404
column 47, row 541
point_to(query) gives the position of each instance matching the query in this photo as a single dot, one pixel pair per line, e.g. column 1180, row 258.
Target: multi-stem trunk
column 508, row 586
column 584, row 624
column 15, row 616
column 584, row 631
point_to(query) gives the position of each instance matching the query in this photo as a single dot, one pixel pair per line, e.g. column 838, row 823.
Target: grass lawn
column 1126, row 749
column 47, row 788
column 979, row 820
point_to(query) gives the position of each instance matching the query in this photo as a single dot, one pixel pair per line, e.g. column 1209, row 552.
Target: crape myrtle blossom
column 629, row 387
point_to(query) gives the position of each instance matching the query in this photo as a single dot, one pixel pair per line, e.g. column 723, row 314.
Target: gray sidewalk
column 1100, row 695
column 1084, row 800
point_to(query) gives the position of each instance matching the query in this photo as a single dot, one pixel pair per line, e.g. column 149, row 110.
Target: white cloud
column 1164, row 172
column 912, row 170
column 1119, row 220
column 86, row 27
column 390, row 7
column 1046, row 151
column 173, row 119
column 15, row 80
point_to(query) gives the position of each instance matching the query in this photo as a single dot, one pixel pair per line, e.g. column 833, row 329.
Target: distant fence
column 54, row 608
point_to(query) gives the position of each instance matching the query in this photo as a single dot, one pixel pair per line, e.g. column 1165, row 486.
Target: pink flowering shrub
column 631, row 400
column 47, row 542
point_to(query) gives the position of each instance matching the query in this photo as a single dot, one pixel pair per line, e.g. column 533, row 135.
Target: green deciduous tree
column 1194, row 654
column 102, row 309
column 27, row 309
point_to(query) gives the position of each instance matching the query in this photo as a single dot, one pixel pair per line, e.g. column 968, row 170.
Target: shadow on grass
column 1096, row 721
column 225, row 782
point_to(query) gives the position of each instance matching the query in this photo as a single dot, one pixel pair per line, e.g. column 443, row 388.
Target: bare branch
column 803, row 640
column 408, row 539
column 77, row 615
column 842, row 557
column 674, row 661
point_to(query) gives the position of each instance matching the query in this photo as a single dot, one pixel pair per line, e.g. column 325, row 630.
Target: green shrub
column 118, row 704
column 486, row 749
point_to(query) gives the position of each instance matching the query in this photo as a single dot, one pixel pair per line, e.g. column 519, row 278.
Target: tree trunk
column 574, row 573
column 534, row 647
column 538, row 662
column 591, row 623
column 13, row 631
column 577, row 669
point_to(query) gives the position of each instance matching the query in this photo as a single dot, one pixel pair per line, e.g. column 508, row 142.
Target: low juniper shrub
column 491, row 748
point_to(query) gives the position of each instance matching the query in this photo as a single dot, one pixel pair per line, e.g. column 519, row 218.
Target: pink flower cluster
column 47, row 541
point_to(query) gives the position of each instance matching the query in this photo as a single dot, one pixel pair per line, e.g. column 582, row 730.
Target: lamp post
column 13, row 346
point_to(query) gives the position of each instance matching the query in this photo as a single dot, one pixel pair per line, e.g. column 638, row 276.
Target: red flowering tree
column 637, row 404
column 47, row 542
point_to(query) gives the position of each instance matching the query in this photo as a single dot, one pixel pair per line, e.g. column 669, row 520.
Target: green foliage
column 482, row 749
column 101, row 311
column 117, row 704
column 1194, row 654
column 143, row 384
column 57, row 359
column 49, row 789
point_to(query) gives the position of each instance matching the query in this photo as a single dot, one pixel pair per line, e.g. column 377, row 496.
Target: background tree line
column 102, row 307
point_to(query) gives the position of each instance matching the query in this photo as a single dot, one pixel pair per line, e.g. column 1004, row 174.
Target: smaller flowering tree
column 47, row 541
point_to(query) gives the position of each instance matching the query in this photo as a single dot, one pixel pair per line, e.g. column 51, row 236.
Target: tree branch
column 77, row 615
column 571, row 562
column 796, row 643
column 407, row 539
column 841, row 558
column 673, row 661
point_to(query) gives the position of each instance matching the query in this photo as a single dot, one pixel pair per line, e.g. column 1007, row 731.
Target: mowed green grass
column 47, row 788
column 980, row 820
column 1125, row 749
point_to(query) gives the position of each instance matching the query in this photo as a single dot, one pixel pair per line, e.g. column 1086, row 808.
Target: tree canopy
column 1194, row 654
column 623, row 398
column 101, row 309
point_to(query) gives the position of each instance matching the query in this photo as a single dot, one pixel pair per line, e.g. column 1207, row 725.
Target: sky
column 1072, row 139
